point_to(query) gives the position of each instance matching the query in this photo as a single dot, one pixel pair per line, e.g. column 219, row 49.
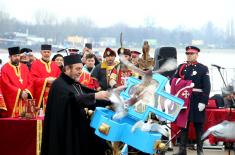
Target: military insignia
column 108, row 53
column 194, row 73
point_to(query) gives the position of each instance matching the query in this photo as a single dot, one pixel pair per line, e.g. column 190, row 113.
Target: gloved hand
column 201, row 106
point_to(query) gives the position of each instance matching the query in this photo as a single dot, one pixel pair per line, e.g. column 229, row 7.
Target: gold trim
column 47, row 65
column 28, row 91
column 18, row 74
column 16, row 103
column 104, row 128
column 3, row 108
column 42, row 92
column 38, row 137
column 158, row 145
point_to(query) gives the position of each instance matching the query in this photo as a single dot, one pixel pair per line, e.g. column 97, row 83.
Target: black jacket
column 66, row 126
column 199, row 75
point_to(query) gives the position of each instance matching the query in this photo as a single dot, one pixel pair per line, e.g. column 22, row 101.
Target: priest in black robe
column 67, row 128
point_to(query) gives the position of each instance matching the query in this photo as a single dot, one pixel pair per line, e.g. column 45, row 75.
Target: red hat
column 192, row 49
column 135, row 53
column 109, row 52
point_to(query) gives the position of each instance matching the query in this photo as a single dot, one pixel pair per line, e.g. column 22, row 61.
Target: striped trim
column 38, row 137
column 47, row 65
column 16, row 72
column 42, row 92
column 16, row 103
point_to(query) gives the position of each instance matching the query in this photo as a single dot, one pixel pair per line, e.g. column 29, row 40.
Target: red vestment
column 2, row 102
column 40, row 71
column 182, row 89
column 13, row 81
column 86, row 80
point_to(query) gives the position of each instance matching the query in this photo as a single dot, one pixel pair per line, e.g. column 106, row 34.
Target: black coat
column 199, row 75
column 66, row 126
column 100, row 75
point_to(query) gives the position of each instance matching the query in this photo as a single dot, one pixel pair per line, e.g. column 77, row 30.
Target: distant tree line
column 48, row 26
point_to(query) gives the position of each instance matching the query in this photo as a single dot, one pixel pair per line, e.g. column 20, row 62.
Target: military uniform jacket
column 199, row 75
column 102, row 73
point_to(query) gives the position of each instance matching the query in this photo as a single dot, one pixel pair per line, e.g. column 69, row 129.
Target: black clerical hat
column 46, row 47
column 14, row 50
column 88, row 45
column 72, row 59
column 25, row 50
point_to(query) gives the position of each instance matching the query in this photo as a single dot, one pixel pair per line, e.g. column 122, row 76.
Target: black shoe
column 200, row 153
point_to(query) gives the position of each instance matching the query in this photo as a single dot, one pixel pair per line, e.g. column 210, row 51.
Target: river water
column 221, row 57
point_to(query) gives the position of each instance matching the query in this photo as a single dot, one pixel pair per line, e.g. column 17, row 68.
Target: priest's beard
column 75, row 77
column 15, row 62
column 46, row 59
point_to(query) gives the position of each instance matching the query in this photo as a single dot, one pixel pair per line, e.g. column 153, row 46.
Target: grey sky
column 165, row 13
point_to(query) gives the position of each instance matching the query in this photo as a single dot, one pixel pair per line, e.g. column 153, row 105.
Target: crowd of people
column 65, row 85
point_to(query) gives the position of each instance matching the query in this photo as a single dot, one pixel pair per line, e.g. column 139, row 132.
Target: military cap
column 192, row 49
column 72, row 59
column 135, row 53
column 14, row 50
column 109, row 52
column 124, row 51
column 45, row 47
column 73, row 51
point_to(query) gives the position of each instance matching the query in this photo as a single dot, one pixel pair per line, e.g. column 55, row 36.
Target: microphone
column 219, row 67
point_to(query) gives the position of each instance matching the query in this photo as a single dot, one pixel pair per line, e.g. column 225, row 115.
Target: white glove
column 201, row 106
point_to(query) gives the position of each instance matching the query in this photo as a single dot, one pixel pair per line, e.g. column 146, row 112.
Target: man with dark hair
column 90, row 63
column 88, row 50
column 102, row 72
column 66, row 126
column 16, row 84
column 120, row 72
column 199, row 75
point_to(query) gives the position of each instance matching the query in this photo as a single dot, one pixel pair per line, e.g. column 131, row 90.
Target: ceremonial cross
column 21, row 80
column 185, row 94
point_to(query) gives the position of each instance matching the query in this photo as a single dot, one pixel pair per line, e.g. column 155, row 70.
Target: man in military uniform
column 101, row 73
column 135, row 58
column 199, row 75
column 120, row 72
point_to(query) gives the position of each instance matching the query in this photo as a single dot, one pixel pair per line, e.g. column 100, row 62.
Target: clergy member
column 66, row 127
column 15, row 84
column 43, row 72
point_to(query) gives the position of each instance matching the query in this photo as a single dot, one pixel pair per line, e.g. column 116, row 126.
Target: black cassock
column 67, row 129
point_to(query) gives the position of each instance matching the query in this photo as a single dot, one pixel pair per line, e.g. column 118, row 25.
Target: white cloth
column 201, row 106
